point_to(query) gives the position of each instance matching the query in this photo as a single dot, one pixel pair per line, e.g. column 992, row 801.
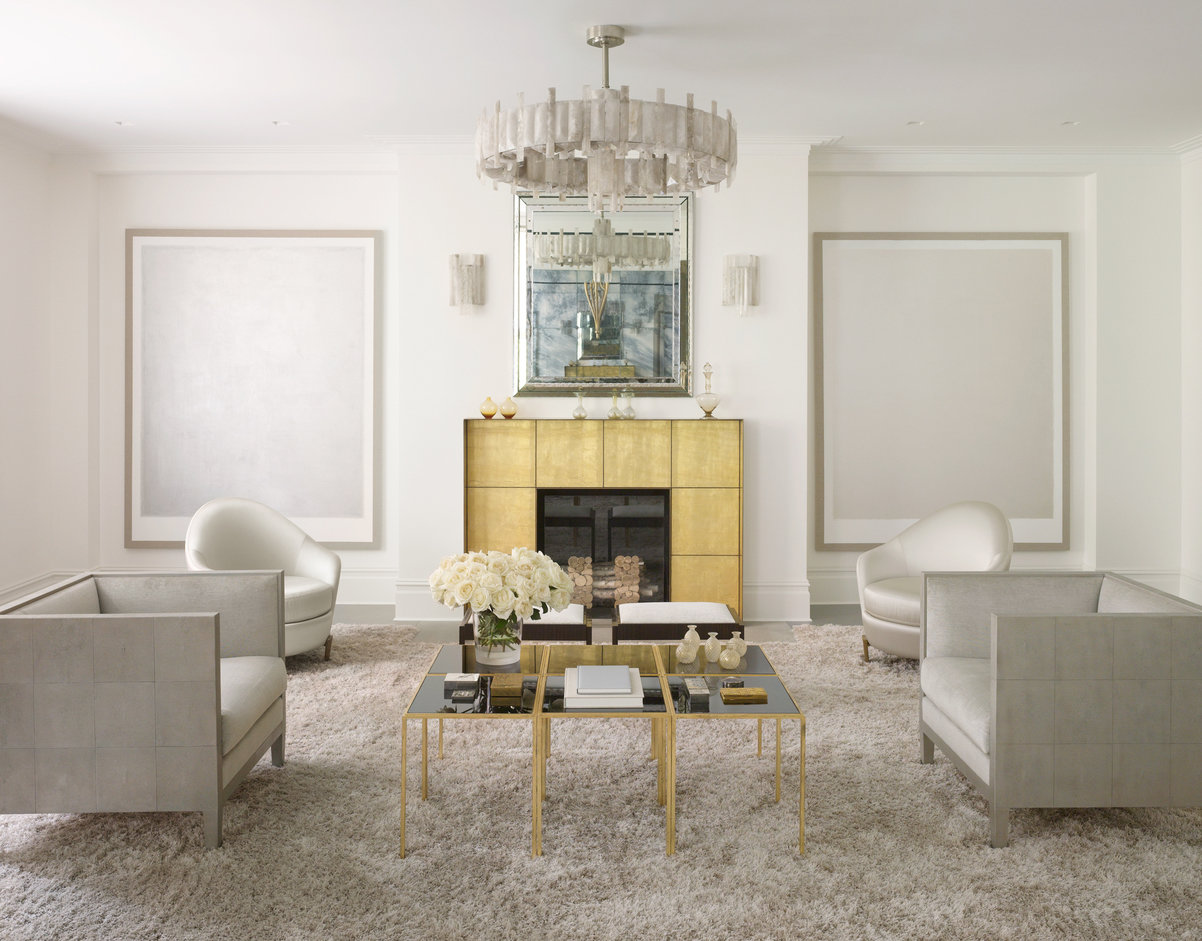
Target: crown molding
column 1190, row 149
column 983, row 160
column 237, row 160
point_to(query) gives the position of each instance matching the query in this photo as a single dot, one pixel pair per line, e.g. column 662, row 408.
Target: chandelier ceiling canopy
column 606, row 146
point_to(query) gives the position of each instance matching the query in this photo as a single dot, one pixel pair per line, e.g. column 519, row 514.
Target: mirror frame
column 680, row 383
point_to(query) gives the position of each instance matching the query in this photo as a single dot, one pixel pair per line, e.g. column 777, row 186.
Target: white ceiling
column 360, row 73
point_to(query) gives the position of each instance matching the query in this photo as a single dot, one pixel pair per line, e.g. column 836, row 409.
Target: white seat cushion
column 306, row 598
column 572, row 614
column 960, row 687
column 248, row 686
column 674, row 612
column 895, row 599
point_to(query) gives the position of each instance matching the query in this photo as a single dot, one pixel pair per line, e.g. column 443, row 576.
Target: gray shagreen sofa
column 140, row 692
column 1075, row 689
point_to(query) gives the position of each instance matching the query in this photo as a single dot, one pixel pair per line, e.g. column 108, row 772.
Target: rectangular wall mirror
column 603, row 301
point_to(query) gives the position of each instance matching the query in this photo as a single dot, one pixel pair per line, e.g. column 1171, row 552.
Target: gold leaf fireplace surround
column 700, row 462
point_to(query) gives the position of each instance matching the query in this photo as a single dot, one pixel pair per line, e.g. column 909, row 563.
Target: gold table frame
column 663, row 729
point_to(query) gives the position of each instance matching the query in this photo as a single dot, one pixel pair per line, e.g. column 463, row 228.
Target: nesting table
column 535, row 695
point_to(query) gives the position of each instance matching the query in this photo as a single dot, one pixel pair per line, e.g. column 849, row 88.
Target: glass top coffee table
column 534, row 691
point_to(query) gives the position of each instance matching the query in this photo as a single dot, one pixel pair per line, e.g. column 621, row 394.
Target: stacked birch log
column 580, row 571
column 606, row 583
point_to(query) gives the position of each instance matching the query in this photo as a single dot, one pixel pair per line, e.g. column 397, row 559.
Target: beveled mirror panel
column 603, row 301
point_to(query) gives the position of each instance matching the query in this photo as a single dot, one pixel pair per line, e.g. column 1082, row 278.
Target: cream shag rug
column 895, row 849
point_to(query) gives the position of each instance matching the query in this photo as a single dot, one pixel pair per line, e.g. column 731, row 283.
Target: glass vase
column 498, row 640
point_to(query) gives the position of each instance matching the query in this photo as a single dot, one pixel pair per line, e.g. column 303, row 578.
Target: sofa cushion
column 895, row 599
column 306, row 598
column 960, row 687
column 248, row 686
column 674, row 612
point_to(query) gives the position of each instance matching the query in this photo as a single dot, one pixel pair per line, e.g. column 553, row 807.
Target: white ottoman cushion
column 674, row 612
column 572, row 614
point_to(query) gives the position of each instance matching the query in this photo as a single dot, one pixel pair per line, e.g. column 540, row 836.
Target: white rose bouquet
column 501, row 587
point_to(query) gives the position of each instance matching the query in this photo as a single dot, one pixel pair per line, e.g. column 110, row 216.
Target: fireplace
column 692, row 470
column 613, row 542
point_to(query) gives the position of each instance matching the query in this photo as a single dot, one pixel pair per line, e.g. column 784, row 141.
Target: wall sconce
column 467, row 281
column 741, row 282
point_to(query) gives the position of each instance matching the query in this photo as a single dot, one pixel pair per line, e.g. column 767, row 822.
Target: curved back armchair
column 233, row 533
column 964, row 537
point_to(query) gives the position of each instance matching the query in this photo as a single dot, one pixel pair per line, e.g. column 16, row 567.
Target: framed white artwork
column 251, row 372
column 940, row 363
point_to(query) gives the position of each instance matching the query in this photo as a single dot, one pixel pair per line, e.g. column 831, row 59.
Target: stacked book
column 602, row 687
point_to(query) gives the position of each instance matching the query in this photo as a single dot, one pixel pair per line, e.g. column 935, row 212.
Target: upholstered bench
column 668, row 620
column 569, row 624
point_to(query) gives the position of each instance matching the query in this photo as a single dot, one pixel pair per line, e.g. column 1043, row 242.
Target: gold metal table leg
column 404, row 730
column 544, row 733
column 801, row 791
column 537, row 770
column 425, row 753
column 661, row 771
column 778, row 760
column 670, row 754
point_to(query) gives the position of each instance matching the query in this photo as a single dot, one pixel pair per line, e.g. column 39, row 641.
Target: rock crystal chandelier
column 606, row 146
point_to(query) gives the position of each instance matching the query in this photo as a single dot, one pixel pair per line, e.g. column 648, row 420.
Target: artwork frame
column 251, row 369
column 901, row 318
column 643, row 342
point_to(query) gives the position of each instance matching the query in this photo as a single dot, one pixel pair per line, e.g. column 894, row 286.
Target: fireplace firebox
column 612, row 542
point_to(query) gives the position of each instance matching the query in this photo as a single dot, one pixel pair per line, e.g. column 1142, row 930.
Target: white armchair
column 963, row 537
column 232, row 533
column 126, row 691
column 1062, row 689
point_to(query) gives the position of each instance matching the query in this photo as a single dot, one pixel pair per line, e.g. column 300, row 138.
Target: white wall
column 202, row 193
column 1124, row 377
column 1132, row 438
column 440, row 364
column 27, row 367
column 759, row 364
column 1191, row 376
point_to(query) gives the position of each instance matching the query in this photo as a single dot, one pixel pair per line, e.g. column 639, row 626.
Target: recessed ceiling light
column 124, row 123
column 915, row 123
column 1069, row 123
column 282, row 123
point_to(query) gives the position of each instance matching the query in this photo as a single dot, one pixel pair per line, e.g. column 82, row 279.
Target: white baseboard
column 776, row 601
column 834, row 586
column 19, row 590
column 1159, row 579
column 1191, row 587
column 413, row 603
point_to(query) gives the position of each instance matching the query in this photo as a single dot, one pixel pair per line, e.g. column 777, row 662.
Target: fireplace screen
column 613, row 543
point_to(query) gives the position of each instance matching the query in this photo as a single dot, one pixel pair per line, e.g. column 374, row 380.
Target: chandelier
column 608, row 145
column 602, row 251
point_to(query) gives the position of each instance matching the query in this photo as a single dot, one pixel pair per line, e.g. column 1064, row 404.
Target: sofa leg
column 329, row 645
column 928, row 751
column 999, row 826
column 277, row 751
column 864, row 641
column 212, row 825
